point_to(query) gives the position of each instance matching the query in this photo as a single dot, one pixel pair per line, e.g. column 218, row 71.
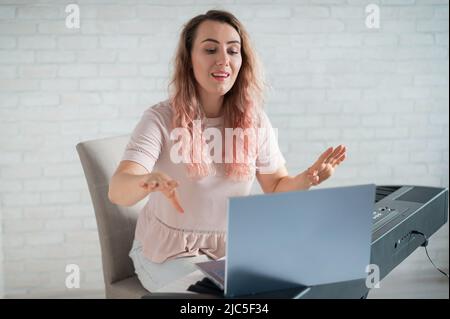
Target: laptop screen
column 278, row 241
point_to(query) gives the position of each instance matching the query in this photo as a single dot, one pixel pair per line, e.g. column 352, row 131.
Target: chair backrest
column 116, row 225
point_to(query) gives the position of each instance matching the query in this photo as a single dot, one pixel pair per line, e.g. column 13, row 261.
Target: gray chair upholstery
column 116, row 224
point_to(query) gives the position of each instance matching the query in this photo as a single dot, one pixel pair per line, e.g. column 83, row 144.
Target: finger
column 337, row 152
column 340, row 153
column 152, row 185
column 172, row 183
column 323, row 157
column 337, row 161
column 169, row 186
column 333, row 154
column 173, row 196
column 167, row 182
column 340, row 159
column 147, row 185
column 159, row 183
column 315, row 180
column 164, row 183
column 312, row 172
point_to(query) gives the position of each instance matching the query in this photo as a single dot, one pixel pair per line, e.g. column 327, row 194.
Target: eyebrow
column 213, row 40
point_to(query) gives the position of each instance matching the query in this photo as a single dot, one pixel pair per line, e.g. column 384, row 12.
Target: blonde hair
column 240, row 103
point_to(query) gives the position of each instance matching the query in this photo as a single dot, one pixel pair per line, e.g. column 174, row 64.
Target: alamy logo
column 373, row 17
column 211, row 145
column 373, row 277
column 73, row 19
column 73, row 279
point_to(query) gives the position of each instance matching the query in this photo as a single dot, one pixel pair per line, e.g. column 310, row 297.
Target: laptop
column 295, row 240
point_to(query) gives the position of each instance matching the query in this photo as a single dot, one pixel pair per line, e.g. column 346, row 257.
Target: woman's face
column 216, row 57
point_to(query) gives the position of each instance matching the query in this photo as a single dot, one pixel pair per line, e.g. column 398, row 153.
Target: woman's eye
column 211, row 51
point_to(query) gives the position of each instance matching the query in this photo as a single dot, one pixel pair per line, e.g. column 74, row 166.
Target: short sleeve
column 269, row 157
column 144, row 146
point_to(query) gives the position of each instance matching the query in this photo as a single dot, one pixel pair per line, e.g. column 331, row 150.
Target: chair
column 116, row 224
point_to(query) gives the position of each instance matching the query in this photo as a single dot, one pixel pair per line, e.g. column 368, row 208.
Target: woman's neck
column 212, row 105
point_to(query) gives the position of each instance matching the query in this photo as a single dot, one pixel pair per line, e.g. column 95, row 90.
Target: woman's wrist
column 302, row 181
column 293, row 183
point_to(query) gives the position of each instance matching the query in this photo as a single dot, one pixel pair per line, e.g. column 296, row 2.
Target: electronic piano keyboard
column 399, row 211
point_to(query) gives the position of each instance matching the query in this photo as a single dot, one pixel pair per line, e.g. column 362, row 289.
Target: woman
column 217, row 81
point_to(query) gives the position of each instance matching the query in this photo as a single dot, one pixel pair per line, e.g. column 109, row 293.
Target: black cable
column 425, row 244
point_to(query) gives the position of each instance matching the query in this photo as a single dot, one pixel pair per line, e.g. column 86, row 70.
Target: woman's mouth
column 220, row 76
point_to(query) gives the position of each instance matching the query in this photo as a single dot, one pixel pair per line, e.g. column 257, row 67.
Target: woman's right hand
column 157, row 181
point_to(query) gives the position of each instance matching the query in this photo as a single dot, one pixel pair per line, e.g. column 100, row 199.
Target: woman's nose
column 223, row 59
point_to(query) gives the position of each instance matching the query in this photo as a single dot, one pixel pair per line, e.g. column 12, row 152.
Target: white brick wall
column 383, row 93
column 2, row 261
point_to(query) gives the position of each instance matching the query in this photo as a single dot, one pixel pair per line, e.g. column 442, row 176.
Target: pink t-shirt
column 165, row 233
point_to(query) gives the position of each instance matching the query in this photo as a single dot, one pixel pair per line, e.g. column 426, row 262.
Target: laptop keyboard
column 219, row 273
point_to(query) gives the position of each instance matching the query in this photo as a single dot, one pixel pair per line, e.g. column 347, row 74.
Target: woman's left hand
column 324, row 167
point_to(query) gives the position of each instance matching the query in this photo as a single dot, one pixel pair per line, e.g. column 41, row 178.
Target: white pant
column 154, row 276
